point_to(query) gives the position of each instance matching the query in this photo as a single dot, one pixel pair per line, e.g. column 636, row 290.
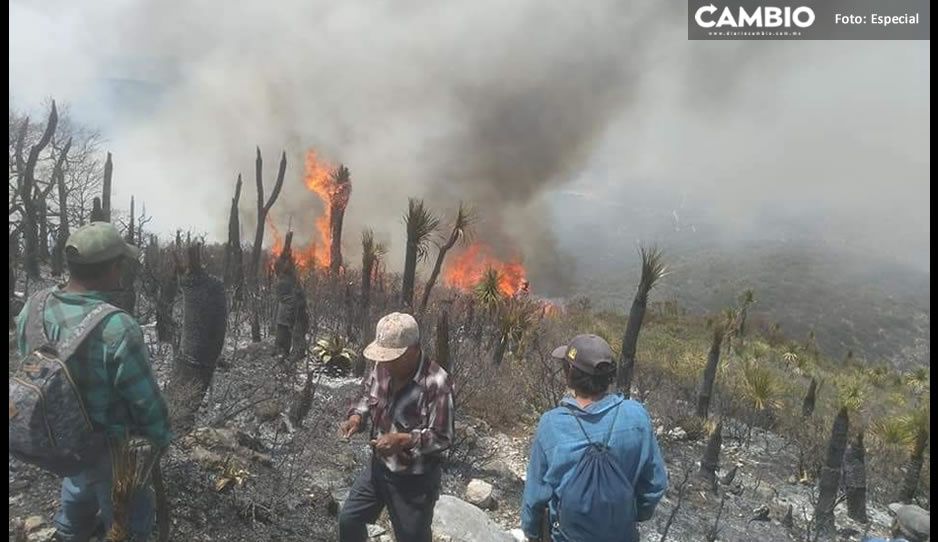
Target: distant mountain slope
column 879, row 310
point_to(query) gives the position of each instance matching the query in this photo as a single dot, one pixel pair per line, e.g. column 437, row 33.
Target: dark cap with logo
column 588, row 353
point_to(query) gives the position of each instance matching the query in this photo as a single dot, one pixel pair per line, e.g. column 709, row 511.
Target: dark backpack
column 49, row 425
column 598, row 502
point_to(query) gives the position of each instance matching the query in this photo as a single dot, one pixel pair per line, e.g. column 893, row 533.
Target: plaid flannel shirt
column 111, row 368
column 423, row 408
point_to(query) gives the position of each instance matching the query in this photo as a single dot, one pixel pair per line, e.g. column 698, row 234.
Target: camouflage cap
column 394, row 334
column 97, row 242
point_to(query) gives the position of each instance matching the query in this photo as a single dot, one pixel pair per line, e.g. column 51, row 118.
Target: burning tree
column 460, row 232
column 653, row 270
column 338, row 201
column 420, row 224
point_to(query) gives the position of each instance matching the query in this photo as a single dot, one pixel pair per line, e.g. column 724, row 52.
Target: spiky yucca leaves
column 487, row 291
column 231, row 474
column 850, row 393
column 918, row 380
column 372, row 252
column 760, row 385
column 421, row 224
column 461, row 232
column 342, row 183
column 517, row 316
column 132, row 462
column 653, row 270
column 830, row 476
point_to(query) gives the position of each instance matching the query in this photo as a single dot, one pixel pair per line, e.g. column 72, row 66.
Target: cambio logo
column 760, row 17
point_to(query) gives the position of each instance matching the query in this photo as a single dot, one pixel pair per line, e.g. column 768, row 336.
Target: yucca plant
column 918, row 380
column 487, row 290
column 461, row 232
column 850, row 393
column 421, row 224
column 133, row 461
column 372, row 252
column 517, row 316
column 653, row 270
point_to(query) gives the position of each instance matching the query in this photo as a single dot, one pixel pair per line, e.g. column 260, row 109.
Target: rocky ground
column 247, row 474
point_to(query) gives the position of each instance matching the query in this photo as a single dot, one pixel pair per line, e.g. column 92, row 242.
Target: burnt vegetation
column 280, row 324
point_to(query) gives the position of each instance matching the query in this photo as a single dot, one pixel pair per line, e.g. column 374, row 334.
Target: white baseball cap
column 394, row 334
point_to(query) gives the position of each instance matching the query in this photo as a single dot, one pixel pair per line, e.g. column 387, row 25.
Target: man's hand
column 350, row 426
column 392, row 443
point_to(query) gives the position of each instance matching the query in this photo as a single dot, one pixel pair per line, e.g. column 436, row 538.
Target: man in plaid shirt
column 111, row 372
column 409, row 400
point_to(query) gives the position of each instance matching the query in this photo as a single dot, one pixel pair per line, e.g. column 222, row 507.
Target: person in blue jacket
column 562, row 439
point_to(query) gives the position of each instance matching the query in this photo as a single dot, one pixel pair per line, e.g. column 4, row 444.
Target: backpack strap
column 612, row 425
column 35, row 321
column 67, row 347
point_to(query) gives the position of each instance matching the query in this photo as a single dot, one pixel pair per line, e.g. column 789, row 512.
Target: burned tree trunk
column 26, row 186
column 710, row 461
column 262, row 210
column 58, row 177
column 459, row 231
column 709, row 374
column 234, row 270
column 442, row 340
column 855, row 479
column 807, row 406
column 653, row 269
column 15, row 304
column 106, row 189
column 286, row 291
column 204, row 322
column 42, row 218
column 97, row 213
column 829, row 481
column 420, row 225
column 342, row 184
column 127, row 297
column 913, row 469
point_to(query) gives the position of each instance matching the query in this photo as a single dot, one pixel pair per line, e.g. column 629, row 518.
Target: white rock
column 42, row 535
column 519, row 535
column 459, row 521
column 32, row 523
column 479, row 493
column 375, row 531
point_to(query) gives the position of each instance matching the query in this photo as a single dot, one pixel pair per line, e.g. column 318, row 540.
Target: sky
column 510, row 105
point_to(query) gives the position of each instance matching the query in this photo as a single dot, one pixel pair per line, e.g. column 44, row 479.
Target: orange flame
column 318, row 179
column 465, row 270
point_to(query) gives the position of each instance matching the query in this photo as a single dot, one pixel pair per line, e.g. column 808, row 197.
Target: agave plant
column 918, row 380
column 334, row 351
column 760, row 386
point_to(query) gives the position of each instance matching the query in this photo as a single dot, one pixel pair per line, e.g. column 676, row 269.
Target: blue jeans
column 86, row 502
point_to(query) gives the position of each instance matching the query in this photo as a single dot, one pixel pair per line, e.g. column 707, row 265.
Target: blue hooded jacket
column 559, row 443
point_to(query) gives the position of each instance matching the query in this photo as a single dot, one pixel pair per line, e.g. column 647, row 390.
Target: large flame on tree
column 318, row 179
column 466, row 269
